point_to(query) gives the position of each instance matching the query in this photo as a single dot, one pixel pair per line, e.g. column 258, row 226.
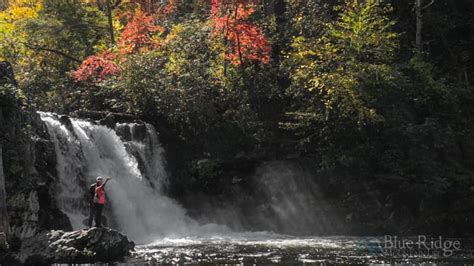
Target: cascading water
column 137, row 206
column 71, row 188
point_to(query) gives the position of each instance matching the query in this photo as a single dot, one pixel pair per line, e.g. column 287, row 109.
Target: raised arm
column 105, row 182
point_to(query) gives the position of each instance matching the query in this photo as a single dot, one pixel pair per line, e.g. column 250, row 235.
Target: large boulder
column 81, row 246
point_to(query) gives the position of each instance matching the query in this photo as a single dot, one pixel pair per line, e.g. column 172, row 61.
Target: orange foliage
column 245, row 40
column 137, row 35
column 95, row 68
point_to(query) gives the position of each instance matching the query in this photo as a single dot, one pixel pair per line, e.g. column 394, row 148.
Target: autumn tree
column 243, row 40
column 96, row 68
column 327, row 70
column 139, row 34
column 12, row 32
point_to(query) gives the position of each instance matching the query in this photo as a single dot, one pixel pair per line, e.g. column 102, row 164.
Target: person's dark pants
column 91, row 215
column 95, row 213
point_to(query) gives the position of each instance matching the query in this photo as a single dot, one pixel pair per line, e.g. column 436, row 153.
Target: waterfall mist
column 280, row 196
column 295, row 202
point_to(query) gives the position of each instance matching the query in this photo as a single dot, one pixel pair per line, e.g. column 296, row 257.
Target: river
column 267, row 248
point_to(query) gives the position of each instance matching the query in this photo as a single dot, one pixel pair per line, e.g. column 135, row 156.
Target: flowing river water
column 265, row 248
column 138, row 207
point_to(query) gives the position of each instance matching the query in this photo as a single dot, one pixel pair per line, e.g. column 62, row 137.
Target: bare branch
column 428, row 5
column 100, row 5
column 42, row 48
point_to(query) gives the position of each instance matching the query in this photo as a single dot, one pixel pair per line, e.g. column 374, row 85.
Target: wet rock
column 3, row 242
column 123, row 130
column 82, row 246
column 24, row 219
column 4, row 248
column 49, row 216
column 64, row 119
column 139, row 132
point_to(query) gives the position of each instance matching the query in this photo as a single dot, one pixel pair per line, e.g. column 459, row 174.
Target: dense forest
column 375, row 95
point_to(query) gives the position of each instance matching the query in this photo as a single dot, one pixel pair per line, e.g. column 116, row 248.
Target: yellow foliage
column 11, row 32
column 175, row 58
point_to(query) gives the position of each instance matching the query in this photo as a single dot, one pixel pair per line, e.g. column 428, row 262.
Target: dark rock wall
column 29, row 163
column 30, row 174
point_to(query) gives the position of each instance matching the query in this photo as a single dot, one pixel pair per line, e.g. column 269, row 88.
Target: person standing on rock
column 97, row 201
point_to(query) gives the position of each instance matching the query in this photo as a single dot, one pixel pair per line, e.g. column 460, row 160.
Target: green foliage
column 307, row 18
column 63, row 34
column 355, row 107
column 177, row 73
column 364, row 32
column 46, row 40
column 327, row 72
column 177, row 82
column 10, row 96
column 66, row 26
column 187, row 83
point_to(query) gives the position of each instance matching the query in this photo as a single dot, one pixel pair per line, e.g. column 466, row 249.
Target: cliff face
column 28, row 170
column 29, row 160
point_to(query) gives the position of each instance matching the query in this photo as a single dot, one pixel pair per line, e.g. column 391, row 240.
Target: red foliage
column 96, row 68
column 138, row 34
column 136, row 37
column 245, row 40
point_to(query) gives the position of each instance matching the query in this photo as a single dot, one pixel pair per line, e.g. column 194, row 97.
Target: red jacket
column 99, row 190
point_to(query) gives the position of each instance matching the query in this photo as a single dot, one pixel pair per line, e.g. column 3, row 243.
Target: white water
column 69, row 168
column 136, row 204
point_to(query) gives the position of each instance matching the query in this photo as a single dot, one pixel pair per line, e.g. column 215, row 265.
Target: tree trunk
column 239, row 48
column 419, row 25
column 466, row 78
column 108, row 11
column 5, row 73
column 3, row 5
column 279, row 9
column 3, row 198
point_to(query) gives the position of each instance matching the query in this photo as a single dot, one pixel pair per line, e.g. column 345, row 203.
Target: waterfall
column 133, row 157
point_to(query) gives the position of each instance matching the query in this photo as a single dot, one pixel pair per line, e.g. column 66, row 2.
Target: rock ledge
column 81, row 246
